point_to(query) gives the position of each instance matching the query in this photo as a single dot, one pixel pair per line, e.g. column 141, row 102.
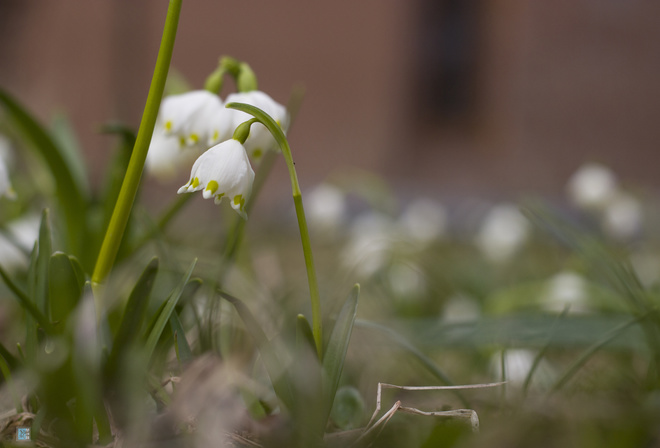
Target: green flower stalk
column 281, row 140
column 129, row 187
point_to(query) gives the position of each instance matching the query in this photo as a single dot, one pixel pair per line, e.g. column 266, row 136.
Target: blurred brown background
column 450, row 96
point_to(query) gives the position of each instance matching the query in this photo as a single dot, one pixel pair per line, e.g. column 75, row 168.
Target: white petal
column 260, row 139
column 166, row 156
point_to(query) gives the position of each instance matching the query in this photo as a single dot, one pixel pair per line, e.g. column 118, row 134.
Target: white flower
column 424, row 221
column 326, row 208
column 371, row 239
column 502, row 233
column 195, row 118
column 517, row 364
column 406, row 281
column 5, row 185
column 223, row 171
column 22, row 234
column 260, row 139
column 592, row 186
column 166, row 156
column 566, row 288
column 622, row 217
column 460, row 308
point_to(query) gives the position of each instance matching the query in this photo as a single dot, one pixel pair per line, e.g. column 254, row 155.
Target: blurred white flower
column 517, row 364
column 370, row 240
column 326, row 208
column 260, row 139
column 460, row 308
column 592, row 186
column 166, row 156
column 502, row 233
column 195, row 118
column 622, row 217
column 22, row 233
column 223, row 170
column 566, row 289
column 406, row 281
column 5, row 185
column 424, row 221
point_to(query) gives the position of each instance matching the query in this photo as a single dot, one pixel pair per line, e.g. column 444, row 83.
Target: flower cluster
column 196, row 124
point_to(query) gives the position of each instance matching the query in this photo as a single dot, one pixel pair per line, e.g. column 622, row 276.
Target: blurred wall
column 447, row 96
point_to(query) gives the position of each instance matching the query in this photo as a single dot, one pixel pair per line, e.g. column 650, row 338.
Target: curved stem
column 131, row 182
column 281, row 140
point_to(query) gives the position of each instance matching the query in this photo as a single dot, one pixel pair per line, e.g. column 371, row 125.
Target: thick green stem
column 281, row 140
column 131, row 182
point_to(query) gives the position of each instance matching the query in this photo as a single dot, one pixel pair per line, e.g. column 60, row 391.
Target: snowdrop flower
column 517, row 365
column 22, row 232
column 406, row 281
column 326, row 208
column 592, row 186
column 223, row 171
column 566, row 288
column 369, row 242
column 195, row 118
column 166, row 156
column 502, row 232
column 260, row 139
column 460, row 308
column 5, row 185
column 622, row 217
column 424, row 221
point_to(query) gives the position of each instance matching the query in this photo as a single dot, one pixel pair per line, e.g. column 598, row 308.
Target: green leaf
column 133, row 318
column 43, row 261
column 184, row 352
column 71, row 198
column 272, row 363
column 64, row 289
column 165, row 314
column 65, row 139
column 25, row 301
column 335, row 354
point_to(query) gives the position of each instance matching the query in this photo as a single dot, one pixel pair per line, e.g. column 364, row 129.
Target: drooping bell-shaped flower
column 260, row 139
column 223, row 171
column 195, row 118
column 166, row 156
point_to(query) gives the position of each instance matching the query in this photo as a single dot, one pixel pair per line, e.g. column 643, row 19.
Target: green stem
column 131, row 182
column 281, row 140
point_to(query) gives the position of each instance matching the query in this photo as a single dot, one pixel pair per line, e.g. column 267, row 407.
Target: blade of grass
column 335, row 353
column 272, row 363
column 43, row 261
column 25, row 301
column 64, row 289
column 165, row 314
column 427, row 362
column 572, row 370
column 134, row 313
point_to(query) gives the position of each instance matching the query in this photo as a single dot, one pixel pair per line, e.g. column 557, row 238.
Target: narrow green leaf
column 133, row 318
column 164, row 316
column 79, row 271
column 43, row 260
column 335, row 354
column 304, row 335
column 69, row 195
column 25, row 301
column 272, row 363
column 184, row 353
column 12, row 362
column 64, row 289
column 31, row 334
column 65, row 138
column 587, row 354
